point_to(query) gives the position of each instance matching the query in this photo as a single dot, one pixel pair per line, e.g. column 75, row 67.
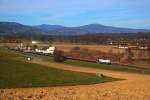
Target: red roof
column 123, row 45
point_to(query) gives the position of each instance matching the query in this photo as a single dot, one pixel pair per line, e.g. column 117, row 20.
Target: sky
column 120, row 13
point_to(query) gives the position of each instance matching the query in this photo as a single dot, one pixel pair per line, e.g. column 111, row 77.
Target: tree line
column 99, row 38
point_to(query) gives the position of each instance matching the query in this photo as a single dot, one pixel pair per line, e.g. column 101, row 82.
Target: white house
column 39, row 50
column 104, row 61
column 49, row 50
column 34, row 42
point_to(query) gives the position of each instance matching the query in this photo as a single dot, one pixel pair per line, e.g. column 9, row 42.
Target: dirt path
column 135, row 87
column 117, row 74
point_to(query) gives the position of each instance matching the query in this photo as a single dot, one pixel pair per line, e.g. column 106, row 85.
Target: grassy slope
column 15, row 73
column 102, row 66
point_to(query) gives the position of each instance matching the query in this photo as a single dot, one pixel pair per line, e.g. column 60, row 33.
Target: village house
column 35, row 48
column 123, row 46
column 104, row 61
column 144, row 46
column 49, row 50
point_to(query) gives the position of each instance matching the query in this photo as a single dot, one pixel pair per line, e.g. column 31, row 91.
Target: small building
column 37, row 50
column 123, row 46
column 104, row 61
column 34, row 42
column 20, row 47
column 49, row 50
column 144, row 46
column 28, row 49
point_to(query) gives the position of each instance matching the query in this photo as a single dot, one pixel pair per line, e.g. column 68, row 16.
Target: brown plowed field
column 135, row 87
column 103, row 48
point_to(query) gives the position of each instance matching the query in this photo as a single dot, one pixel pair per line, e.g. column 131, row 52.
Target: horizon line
column 75, row 25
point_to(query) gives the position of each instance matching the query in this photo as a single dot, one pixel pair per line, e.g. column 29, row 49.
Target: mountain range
column 17, row 28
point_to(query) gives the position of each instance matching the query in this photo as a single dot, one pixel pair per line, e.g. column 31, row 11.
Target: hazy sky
column 122, row 13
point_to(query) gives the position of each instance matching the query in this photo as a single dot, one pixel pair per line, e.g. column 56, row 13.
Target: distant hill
column 13, row 28
column 95, row 28
column 48, row 28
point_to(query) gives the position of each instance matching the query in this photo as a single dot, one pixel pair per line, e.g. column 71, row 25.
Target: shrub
column 59, row 56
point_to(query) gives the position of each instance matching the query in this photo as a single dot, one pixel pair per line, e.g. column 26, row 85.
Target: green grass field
column 15, row 73
column 104, row 66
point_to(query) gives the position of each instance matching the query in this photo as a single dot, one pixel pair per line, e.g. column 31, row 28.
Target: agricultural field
column 16, row 73
column 103, row 48
column 137, row 56
column 135, row 86
column 142, row 63
column 44, row 79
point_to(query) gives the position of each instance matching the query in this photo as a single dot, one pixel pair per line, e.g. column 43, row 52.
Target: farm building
column 123, row 46
column 144, row 46
column 35, row 48
column 49, row 50
column 19, row 47
column 104, row 61
column 28, row 49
